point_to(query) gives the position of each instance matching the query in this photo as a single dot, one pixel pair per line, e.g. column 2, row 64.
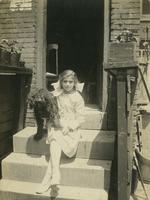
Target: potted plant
column 15, row 54
column 5, row 50
column 10, row 53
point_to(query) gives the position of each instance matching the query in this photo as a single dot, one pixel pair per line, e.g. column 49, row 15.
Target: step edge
column 27, row 185
column 72, row 163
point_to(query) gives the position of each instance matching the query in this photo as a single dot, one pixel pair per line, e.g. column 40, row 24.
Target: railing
column 144, row 83
column 143, row 56
column 124, row 64
column 139, row 160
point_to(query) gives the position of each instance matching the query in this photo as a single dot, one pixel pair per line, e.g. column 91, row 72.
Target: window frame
column 143, row 17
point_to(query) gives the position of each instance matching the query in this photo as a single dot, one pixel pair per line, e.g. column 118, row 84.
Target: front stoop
column 78, row 172
column 93, row 118
column 16, row 190
column 85, row 177
column 95, row 144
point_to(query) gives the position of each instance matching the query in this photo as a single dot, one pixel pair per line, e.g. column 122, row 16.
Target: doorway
column 77, row 27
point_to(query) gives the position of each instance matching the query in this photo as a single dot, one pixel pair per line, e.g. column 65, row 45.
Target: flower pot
column 14, row 59
column 4, row 57
column 121, row 55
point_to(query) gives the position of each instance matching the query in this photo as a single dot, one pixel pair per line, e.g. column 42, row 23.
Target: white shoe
column 54, row 191
column 43, row 187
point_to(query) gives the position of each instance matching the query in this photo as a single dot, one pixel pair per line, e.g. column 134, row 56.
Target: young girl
column 66, row 136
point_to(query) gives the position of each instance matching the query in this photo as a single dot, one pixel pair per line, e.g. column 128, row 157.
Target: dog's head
column 43, row 102
column 38, row 96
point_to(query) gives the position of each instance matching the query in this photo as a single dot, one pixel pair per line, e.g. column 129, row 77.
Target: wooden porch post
column 123, row 66
column 41, row 43
column 122, row 136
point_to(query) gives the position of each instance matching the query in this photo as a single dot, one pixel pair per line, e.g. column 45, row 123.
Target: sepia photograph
column 74, row 99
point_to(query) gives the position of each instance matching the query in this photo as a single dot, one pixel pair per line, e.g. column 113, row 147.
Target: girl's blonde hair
column 68, row 73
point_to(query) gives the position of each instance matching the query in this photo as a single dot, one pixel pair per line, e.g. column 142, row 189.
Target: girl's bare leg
column 55, row 151
column 48, row 173
column 52, row 175
column 46, row 182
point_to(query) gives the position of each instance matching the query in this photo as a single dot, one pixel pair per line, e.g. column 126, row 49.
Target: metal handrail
column 145, row 84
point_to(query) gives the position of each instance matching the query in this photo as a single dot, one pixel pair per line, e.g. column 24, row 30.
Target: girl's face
column 68, row 84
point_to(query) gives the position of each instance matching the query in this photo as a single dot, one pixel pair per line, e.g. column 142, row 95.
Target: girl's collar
column 70, row 92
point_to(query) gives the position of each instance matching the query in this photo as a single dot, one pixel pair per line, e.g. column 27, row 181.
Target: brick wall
column 18, row 21
column 20, row 25
column 124, row 14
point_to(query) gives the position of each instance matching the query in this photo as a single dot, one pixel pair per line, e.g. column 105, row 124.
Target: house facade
column 81, row 31
column 60, row 34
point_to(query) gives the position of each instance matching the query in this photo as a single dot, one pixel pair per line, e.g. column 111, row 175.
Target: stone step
column 94, row 118
column 74, row 172
column 14, row 190
column 95, row 144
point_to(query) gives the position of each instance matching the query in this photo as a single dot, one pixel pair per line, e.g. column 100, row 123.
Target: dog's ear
column 31, row 100
column 52, row 106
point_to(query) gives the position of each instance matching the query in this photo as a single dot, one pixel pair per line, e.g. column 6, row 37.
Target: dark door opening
column 77, row 28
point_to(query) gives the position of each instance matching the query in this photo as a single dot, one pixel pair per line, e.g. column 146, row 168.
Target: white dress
column 71, row 110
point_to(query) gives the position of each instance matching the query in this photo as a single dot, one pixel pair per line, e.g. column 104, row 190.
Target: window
column 145, row 10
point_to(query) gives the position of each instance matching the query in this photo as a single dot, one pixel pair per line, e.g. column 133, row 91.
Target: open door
column 77, row 28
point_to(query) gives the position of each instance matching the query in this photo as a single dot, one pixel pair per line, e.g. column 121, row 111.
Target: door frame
column 42, row 47
column 105, row 52
column 41, row 43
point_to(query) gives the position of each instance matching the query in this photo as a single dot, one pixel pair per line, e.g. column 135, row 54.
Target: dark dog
column 45, row 108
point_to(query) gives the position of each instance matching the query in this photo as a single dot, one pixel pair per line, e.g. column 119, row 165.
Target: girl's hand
column 65, row 130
